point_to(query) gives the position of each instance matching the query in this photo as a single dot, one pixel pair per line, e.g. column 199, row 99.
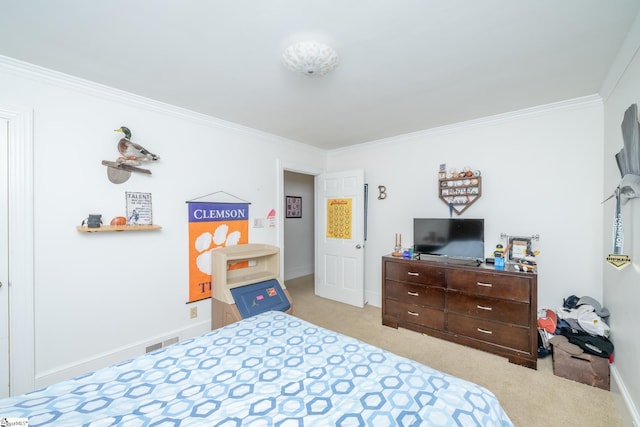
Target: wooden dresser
column 484, row 308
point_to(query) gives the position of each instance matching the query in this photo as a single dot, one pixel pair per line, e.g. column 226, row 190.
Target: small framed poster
column 294, row 207
column 518, row 247
column 139, row 210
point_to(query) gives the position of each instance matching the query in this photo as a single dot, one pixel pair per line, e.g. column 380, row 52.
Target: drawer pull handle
column 413, row 294
column 486, row 285
column 484, row 307
column 411, row 273
column 413, row 313
column 484, row 331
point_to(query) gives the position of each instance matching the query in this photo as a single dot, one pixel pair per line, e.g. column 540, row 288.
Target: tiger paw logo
column 207, row 242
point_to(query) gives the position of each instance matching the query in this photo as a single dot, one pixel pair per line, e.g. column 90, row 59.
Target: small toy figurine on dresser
column 498, row 257
column 528, row 263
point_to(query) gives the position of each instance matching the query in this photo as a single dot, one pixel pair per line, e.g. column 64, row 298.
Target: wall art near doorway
column 294, row 207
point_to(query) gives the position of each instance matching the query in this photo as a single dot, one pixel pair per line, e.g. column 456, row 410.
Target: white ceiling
column 405, row 65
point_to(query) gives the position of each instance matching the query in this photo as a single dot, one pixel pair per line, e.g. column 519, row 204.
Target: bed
column 272, row 369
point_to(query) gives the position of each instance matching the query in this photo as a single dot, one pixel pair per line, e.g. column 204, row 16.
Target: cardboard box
column 584, row 368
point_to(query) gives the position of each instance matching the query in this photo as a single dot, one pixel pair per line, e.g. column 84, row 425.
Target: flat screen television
column 454, row 238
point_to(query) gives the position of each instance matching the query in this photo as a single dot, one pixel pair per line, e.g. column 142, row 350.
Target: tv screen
column 454, row 237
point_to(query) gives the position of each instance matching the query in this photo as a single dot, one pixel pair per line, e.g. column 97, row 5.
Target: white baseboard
column 298, row 271
column 373, row 298
column 623, row 399
column 85, row 366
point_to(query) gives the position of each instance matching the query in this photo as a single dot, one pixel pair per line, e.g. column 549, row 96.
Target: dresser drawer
column 415, row 273
column 505, row 311
column 491, row 285
column 422, row 316
column 415, row 294
column 491, row 310
column 510, row 336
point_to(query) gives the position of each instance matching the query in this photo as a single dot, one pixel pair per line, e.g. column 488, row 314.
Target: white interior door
column 4, row 261
column 16, row 174
column 339, row 265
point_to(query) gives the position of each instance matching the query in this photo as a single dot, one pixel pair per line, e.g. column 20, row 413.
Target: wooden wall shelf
column 85, row 229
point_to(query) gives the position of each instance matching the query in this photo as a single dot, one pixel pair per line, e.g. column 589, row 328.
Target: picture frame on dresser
column 518, row 247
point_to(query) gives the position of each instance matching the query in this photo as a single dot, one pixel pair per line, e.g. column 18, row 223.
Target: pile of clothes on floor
column 579, row 326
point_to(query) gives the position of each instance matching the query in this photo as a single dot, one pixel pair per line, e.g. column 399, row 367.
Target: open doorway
column 299, row 225
column 330, row 265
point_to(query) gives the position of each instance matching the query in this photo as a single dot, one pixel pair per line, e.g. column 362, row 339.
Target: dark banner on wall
column 212, row 225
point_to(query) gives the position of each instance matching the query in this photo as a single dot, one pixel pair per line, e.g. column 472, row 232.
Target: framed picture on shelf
column 139, row 211
column 518, row 247
column 294, row 207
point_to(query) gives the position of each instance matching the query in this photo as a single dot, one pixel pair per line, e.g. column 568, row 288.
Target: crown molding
column 569, row 104
column 38, row 73
column 41, row 74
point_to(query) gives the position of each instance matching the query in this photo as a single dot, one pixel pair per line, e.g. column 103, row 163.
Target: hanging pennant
column 617, row 258
column 213, row 225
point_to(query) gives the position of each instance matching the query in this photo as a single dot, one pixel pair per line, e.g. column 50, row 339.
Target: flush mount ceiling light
column 310, row 58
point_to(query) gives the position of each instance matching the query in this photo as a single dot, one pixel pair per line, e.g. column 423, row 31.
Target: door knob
column 358, row 246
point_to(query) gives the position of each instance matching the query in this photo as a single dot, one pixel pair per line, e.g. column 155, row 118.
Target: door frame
column 21, row 249
column 290, row 167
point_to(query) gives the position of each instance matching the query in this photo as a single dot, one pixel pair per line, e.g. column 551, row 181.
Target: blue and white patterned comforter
column 269, row 370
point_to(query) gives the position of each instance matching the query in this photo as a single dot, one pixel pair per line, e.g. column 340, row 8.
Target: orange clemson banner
column 211, row 226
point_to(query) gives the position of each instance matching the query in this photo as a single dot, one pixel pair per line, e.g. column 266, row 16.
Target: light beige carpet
column 530, row 397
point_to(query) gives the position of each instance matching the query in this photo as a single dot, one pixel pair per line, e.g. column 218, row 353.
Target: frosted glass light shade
column 310, row 58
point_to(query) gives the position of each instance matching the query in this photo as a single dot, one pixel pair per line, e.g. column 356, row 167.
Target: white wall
column 102, row 297
column 299, row 232
column 622, row 288
column 542, row 174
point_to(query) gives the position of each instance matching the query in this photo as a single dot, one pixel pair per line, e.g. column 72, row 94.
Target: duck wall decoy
column 130, row 150
column 131, row 156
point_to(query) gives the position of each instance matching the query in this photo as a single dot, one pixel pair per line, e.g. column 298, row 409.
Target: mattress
column 272, row 369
